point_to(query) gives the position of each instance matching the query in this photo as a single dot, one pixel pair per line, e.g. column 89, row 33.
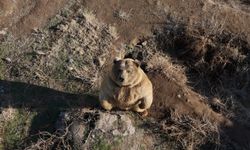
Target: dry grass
column 173, row 71
column 63, row 137
column 15, row 126
column 57, row 140
column 61, row 53
column 191, row 133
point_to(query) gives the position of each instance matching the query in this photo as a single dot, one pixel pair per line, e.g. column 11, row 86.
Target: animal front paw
column 144, row 113
column 106, row 105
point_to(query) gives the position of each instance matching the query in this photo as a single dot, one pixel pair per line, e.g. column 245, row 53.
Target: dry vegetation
column 200, row 73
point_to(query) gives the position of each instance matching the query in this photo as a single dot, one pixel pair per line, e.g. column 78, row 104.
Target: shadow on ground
column 46, row 102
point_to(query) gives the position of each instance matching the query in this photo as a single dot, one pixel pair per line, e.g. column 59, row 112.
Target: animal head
column 125, row 71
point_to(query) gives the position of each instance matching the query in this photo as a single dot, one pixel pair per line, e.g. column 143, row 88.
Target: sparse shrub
column 16, row 129
column 102, row 145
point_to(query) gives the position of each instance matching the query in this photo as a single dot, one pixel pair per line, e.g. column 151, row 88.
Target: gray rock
column 119, row 125
column 77, row 132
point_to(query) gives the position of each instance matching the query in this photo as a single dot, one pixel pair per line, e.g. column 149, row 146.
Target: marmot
column 126, row 87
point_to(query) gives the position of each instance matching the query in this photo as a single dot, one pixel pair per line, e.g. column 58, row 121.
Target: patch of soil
column 141, row 16
column 169, row 95
column 133, row 19
column 63, row 52
column 138, row 16
column 21, row 17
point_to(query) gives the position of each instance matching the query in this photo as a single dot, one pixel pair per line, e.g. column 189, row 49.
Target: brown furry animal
column 126, row 87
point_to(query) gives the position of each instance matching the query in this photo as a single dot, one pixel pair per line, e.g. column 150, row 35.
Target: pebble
column 144, row 43
column 40, row 53
column 7, row 59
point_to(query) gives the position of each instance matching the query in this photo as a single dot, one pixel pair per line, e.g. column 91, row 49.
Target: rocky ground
column 54, row 53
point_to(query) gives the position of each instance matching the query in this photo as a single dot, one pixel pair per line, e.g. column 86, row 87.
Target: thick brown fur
column 126, row 87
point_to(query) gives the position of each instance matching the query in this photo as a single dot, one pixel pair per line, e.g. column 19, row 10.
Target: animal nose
column 121, row 79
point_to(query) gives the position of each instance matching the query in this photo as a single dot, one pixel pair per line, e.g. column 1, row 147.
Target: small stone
column 116, row 132
column 70, row 68
column 179, row 95
column 139, row 46
column 81, row 52
column 3, row 32
column 73, row 22
column 144, row 43
column 7, row 59
column 35, row 29
column 71, row 60
column 64, row 28
column 101, row 61
column 40, row 53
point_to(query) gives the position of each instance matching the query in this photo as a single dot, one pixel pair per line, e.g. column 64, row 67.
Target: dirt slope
column 138, row 16
column 141, row 15
column 172, row 96
column 21, row 17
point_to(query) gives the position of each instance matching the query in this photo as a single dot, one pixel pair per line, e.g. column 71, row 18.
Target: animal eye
column 129, row 71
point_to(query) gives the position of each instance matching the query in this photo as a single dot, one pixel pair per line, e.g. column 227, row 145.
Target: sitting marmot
column 126, row 87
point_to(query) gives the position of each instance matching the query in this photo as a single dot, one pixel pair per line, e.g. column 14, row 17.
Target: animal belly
column 126, row 102
column 126, row 98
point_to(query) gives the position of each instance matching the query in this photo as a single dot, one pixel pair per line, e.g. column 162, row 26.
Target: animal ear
column 116, row 60
column 137, row 63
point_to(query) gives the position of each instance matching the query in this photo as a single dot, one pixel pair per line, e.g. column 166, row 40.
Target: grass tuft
column 16, row 129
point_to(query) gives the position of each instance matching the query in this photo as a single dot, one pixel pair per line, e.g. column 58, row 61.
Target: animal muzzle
column 121, row 79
